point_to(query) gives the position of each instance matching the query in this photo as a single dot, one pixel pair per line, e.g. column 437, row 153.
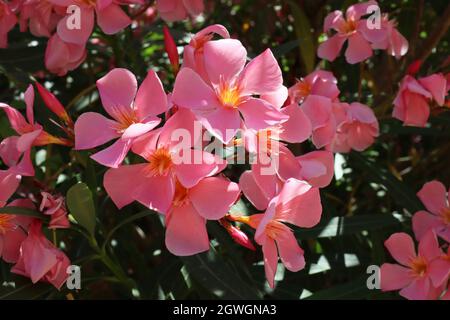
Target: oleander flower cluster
column 224, row 128
column 69, row 24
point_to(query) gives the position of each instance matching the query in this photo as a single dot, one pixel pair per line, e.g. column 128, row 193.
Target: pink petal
column 16, row 120
column 401, row 248
column 429, row 246
column 117, row 91
column 298, row 127
column 290, row 252
column 8, row 151
column 394, row 277
column 156, row 192
column 151, row 98
column 182, row 122
column 417, row 110
column 433, row 196
column 213, row 197
column 29, row 101
column 186, row 232
column 253, row 192
column 422, row 222
column 299, row 204
column 288, row 164
column 190, row 91
column 113, row 155
column 138, row 129
column 270, row 260
column 81, row 35
column 437, row 85
column 116, row 181
column 419, row 289
column 112, row 19
column 334, row 20
column 194, row 7
column 26, row 140
column 277, row 98
column 258, row 114
column 189, row 173
column 358, row 49
column 224, row 59
column 93, row 129
column 12, row 241
column 439, row 271
column 223, row 123
column 317, row 168
column 262, row 75
column 330, row 49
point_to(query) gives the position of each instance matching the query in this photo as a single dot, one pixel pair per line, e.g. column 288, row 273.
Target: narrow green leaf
column 302, row 28
column 356, row 289
column 81, row 206
column 22, row 212
column 338, row 226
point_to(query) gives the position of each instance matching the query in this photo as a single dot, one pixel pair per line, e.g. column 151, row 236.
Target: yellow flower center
column 229, row 97
column 125, row 118
column 160, row 162
column 349, row 27
column 419, row 266
column 302, row 89
column 6, row 223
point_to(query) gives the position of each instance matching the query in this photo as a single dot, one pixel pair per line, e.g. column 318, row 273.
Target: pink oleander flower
column 54, row 206
column 230, row 93
column 413, row 275
column 40, row 260
column 7, row 21
column 110, row 18
column 411, row 104
column 19, row 164
column 134, row 112
column 41, row 16
column 13, row 231
column 167, row 161
column 298, row 204
column 317, row 168
column 351, row 28
column 209, row 199
column 193, row 55
column 176, row 10
column 437, row 217
column 319, row 83
column 30, row 132
column 395, row 43
column 357, row 131
column 62, row 57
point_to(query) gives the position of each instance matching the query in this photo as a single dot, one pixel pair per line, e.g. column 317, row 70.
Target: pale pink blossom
column 351, row 28
column 357, row 130
column 437, row 217
column 230, row 93
column 412, row 103
column 110, row 18
column 41, row 16
column 297, row 204
column 133, row 110
column 40, row 260
column 176, row 10
column 395, row 43
column 413, row 275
